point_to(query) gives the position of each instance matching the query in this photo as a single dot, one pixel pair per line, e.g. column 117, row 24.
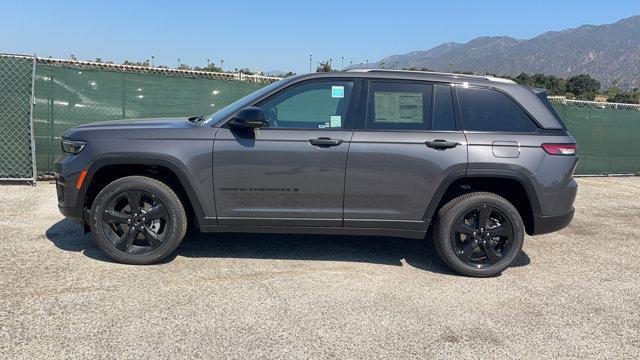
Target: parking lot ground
column 571, row 294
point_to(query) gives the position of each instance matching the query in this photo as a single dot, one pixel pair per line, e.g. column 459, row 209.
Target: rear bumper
column 546, row 224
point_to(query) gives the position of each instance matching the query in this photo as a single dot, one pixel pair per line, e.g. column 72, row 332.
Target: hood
column 161, row 123
column 129, row 125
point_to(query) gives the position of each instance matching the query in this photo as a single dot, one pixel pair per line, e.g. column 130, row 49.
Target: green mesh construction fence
column 16, row 147
column 70, row 93
column 607, row 135
column 67, row 96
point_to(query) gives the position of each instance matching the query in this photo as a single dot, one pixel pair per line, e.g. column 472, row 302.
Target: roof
column 433, row 73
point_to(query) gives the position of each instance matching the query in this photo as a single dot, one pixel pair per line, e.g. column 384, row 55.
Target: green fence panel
column 69, row 96
column 16, row 148
column 607, row 138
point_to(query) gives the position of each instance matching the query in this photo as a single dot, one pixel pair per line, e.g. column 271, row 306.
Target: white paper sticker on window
column 337, row 91
column 336, row 121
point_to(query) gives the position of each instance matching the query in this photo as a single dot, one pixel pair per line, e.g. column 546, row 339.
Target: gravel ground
column 572, row 294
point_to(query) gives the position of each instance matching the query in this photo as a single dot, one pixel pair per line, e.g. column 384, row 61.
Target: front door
column 403, row 148
column 291, row 172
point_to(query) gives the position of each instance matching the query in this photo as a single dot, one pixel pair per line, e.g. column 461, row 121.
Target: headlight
column 72, row 146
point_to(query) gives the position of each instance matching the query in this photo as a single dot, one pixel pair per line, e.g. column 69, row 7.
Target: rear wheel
column 478, row 234
column 138, row 220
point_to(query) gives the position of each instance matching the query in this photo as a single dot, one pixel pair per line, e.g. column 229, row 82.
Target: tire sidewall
column 154, row 187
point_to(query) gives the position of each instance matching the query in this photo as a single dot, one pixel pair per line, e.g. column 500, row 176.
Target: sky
column 278, row 35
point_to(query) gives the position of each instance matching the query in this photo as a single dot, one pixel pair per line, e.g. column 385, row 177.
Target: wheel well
column 109, row 173
column 510, row 189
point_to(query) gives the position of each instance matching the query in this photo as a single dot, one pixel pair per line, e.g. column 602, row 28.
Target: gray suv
column 473, row 161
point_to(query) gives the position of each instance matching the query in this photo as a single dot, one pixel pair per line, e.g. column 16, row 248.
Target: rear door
column 406, row 143
column 292, row 172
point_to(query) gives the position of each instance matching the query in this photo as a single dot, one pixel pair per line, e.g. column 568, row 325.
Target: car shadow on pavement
column 67, row 235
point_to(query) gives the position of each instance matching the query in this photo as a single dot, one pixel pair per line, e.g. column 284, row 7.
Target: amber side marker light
column 81, row 179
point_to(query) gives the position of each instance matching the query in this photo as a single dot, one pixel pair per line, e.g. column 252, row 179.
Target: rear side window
column 443, row 117
column 399, row 106
column 490, row 110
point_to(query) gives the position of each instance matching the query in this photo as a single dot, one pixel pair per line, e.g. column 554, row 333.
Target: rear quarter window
column 491, row 111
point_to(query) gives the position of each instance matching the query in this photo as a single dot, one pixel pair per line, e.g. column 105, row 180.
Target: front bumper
column 546, row 224
column 70, row 199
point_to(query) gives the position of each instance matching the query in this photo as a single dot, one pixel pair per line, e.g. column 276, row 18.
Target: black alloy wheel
column 482, row 236
column 478, row 234
column 135, row 222
column 138, row 220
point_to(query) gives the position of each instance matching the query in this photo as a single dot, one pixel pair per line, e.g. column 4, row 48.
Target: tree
column 210, row 68
column 288, row 73
column 245, row 71
column 615, row 94
column 554, row 85
column 137, row 63
column 584, row 87
column 418, row 69
column 324, row 66
column 73, row 57
column 612, row 92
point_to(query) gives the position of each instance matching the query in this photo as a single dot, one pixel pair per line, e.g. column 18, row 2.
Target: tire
column 465, row 243
column 140, row 234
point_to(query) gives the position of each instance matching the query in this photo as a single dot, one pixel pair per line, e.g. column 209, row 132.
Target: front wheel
column 478, row 234
column 138, row 220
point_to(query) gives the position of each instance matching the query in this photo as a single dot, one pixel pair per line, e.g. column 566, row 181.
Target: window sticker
column 321, row 126
column 337, row 91
column 336, row 121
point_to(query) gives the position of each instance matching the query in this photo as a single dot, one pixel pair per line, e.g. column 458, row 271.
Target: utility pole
column 342, row 63
column 208, row 62
column 310, row 61
column 221, row 63
column 179, row 62
column 152, row 57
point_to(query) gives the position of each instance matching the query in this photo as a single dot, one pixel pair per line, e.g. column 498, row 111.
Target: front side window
column 314, row 105
column 490, row 110
column 399, row 106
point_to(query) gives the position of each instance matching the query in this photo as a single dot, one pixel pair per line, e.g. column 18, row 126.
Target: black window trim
column 456, row 116
column 491, row 88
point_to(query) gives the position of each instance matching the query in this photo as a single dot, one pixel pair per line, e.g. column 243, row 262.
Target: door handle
column 325, row 142
column 441, row 144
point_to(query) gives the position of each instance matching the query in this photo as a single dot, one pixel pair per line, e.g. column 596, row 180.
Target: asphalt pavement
column 571, row 294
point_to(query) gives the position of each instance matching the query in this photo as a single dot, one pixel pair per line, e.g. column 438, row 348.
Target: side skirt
column 412, row 234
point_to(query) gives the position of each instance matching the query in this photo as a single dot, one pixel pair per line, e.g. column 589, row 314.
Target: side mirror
column 251, row 117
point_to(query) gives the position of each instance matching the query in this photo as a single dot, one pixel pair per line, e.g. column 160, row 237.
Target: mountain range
column 610, row 53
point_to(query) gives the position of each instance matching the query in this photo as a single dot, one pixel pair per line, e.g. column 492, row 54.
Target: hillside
column 606, row 52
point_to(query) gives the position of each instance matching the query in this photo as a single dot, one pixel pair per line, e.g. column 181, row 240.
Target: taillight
column 560, row 149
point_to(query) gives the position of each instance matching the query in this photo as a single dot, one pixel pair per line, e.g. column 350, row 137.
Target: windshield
column 239, row 104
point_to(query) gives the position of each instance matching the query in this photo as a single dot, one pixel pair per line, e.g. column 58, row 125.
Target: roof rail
column 486, row 77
